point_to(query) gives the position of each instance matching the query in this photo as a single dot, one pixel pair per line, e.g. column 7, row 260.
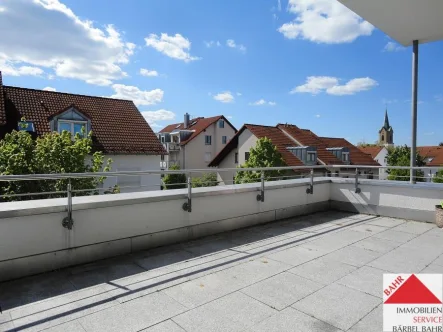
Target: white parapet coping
column 32, row 239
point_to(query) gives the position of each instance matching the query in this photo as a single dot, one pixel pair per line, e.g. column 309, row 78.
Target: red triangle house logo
column 413, row 291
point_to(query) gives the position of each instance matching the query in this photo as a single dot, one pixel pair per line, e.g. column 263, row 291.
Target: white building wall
column 381, row 159
column 196, row 149
column 134, row 163
column 245, row 142
column 226, row 178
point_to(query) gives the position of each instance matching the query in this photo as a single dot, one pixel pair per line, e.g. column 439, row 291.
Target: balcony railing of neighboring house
column 168, row 164
column 173, row 146
column 86, row 228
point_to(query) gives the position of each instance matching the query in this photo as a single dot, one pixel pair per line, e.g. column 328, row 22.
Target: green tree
column 401, row 156
column 50, row 154
column 440, row 144
column 438, row 178
column 174, row 181
column 206, row 180
column 264, row 154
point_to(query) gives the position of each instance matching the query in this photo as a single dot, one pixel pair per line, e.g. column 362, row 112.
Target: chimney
column 186, row 122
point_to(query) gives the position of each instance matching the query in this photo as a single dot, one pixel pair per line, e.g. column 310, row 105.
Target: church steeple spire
column 386, row 124
column 386, row 133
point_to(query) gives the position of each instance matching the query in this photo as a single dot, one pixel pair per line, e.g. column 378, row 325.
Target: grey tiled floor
column 321, row 272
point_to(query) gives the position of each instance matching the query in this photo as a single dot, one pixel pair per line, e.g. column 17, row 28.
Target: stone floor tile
column 404, row 260
column 433, row 268
column 355, row 256
column 291, row 320
column 166, row 326
column 338, row 305
column 282, row 290
column 386, row 222
column 414, row 227
column 368, row 229
column 296, row 255
column 323, row 270
column 372, row 322
column 376, row 244
column 49, row 313
column 395, row 235
column 366, row 279
column 234, row 312
column 133, row 315
column 169, row 260
column 73, row 326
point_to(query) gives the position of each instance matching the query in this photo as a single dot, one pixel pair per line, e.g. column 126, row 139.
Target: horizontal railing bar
column 57, row 176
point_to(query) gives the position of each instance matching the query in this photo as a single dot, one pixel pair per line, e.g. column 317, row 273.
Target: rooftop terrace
column 320, row 272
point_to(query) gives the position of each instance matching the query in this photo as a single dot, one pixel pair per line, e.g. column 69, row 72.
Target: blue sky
column 312, row 63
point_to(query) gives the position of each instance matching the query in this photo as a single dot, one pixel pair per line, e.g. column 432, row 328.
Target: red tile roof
column 373, row 151
column 279, row 139
column 435, row 152
column 117, row 125
column 308, row 138
column 199, row 125
column 356, row 155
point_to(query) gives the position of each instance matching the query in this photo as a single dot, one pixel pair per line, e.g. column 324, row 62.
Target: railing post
column 68, row 222
column 261, row 196
column 187, row 206
column 357, row 189
column 310, row 190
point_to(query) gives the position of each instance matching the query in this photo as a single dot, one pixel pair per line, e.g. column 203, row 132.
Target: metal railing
column 261, row 175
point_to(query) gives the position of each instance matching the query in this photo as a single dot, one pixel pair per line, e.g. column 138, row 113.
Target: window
column 236, row 157
column 246, row 156
column 224, row 139
column 345, row 156
column 163, row 139
column 208, row 157
column 208, row 139
column 73, row 127
column 382, row 137
column 221, row 123
column 162, row 157
column 312, row 157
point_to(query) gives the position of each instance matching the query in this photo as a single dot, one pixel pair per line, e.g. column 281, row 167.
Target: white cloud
column 279, row 5
column 262, row 102
column 389, row 101
column 317, row 116
column 49, row 34
column 48, row 88
column 393, row 47
column 439, row 97
column 231, row 43
column 239, row 94
column 147, row 72
column 224, row 97
column 330, row 85
column 9, row 68
column 139, row 97
column 228, row 116
column 152, row 117
column 429, row 133
column 324, row 21
column 174, row 46
column 212, row 43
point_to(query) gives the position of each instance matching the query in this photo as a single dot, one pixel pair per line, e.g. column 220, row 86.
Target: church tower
column 386, row 133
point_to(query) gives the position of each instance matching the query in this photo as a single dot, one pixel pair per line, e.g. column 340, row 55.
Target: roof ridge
column 66, row 93
column 251, row 124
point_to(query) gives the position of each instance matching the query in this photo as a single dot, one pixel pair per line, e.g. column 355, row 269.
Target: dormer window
column 74, row 127
column 345, row 156
column 312, row 156
column 71, row 120
column 306, row 154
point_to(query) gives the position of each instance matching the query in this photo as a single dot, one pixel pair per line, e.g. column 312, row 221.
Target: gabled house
column 118, row 128
column 433, row 157
column 379, row 154
column 193, row 143
column 298, row 147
